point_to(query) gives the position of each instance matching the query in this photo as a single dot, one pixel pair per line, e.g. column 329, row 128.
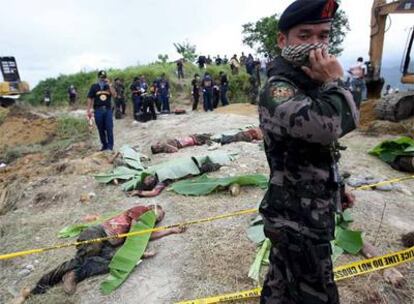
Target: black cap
column 307, row 12
column 102, row 74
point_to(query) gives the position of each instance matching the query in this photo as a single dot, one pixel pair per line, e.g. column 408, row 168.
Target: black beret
column 307, row 12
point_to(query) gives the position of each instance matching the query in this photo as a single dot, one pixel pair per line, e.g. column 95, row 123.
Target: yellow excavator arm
column 380, row 10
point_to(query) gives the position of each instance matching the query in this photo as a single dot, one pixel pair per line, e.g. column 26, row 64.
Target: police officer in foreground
column 304, row 109
column 99, row 98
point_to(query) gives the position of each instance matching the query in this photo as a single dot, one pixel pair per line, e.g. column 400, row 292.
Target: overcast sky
column 50, row 37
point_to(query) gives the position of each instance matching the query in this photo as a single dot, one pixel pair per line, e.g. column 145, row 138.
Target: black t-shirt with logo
column 101, row 95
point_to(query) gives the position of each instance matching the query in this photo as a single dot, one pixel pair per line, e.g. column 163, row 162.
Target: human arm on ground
column 160, row 234
column 149, row 193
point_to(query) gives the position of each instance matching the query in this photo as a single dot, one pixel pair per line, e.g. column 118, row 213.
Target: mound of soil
column 367, row 112
column 245, row 109
column 24, row 128
column 371, row 125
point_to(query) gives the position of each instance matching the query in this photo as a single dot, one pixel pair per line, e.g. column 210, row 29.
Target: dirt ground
column 24, row 128
column 208, row 259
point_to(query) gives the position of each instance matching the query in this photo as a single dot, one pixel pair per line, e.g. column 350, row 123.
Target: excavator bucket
column 9, row 69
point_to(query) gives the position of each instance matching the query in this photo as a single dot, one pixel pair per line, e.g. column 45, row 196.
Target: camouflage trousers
column 300, row 271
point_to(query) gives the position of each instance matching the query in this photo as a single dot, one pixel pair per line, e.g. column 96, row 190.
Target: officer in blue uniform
column 136, row 96
column 99, row 98
column 163, row 87
column 207, row 86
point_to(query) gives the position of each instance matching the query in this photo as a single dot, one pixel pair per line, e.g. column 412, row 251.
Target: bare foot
column 394, row 277
column 24, row 294
column 91, row 217
column 69, row 282
column 148, row 254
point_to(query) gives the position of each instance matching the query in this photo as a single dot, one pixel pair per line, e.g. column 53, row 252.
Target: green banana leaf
column 389, row 150
column 122, row 173
column 127, row 257
column 75, row 230
column 256, row 234
column 72, row 231
column 171, row 170
column 346, row 240
column 350, row 241
column 174, row 169
column 217, row 157
column 336, row 251
column 132, row 183
column 131, row 157
column 204, row 185
column 262, row 255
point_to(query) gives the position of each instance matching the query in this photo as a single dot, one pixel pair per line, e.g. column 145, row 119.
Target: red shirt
column 122, row 223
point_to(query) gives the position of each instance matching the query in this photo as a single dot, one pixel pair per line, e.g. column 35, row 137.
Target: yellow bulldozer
column 12, row 87
column 397, row 106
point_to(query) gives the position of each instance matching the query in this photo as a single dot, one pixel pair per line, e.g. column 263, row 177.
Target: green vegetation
column 186, row 50
column 71, row 128
column 261, row 35
column 238, row 88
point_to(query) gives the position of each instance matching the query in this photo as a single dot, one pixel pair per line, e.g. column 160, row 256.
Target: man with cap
column 304, row 108
column 99, row 98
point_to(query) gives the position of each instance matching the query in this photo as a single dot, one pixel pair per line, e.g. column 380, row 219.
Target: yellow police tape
column 123, row 235
column 241, row 295
column 386, row 182
column 340, row 273
column 209, row 219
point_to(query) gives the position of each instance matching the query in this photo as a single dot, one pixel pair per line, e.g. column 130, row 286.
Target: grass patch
column 71, row 128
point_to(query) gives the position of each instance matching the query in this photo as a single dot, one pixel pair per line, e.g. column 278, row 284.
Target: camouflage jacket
column 301, row 123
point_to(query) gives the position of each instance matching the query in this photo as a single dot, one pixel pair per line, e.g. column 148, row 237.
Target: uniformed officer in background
column 304, row 109
column 120, row 104
column 99, row 99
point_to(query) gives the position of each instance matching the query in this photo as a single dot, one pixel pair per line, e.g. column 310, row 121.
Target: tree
column 340, row 26
column 163, row 58
column 186, row 50
column 262, row 35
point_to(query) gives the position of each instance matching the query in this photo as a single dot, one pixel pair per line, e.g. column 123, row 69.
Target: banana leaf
column 389, row 150
column 350, row 241
column 218, row 157
column 75, row 230
column 262, row 255
column 72, row 231
column 336, row 251
column 256, row 234
column 127, row 257
column 204, row 185
column 174, row 169
column 122, row 173
column 132, row 183
column 346, row 240
column 131, row 157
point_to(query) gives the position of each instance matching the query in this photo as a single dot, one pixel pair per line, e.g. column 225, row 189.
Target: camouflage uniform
column 301, row 122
